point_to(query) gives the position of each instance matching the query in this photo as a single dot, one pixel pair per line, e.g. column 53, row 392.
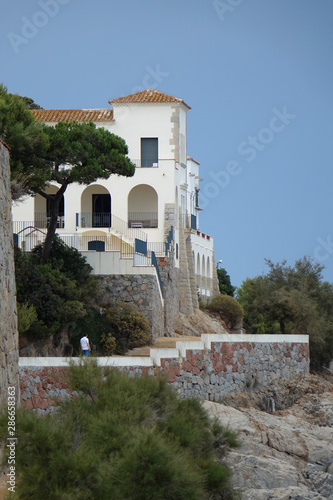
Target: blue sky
column 258, row 75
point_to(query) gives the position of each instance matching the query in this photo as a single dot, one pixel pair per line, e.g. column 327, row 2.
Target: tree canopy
column 61, row 155
column 291, row 300
column 225, row 285
column 26, row 138
column 52, row 295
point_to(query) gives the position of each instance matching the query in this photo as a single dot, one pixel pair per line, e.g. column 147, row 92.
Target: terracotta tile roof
column 66, row 115
column 148, row 96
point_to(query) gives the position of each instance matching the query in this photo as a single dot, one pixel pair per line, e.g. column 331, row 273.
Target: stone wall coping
column 194, row 345
column 208, row 338
column 157, row 354
column 40, row 362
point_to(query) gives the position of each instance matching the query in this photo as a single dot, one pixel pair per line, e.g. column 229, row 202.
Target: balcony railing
column 107, row 220
column 42, row 220
column 157, row 247
column 145, row 163
column 94, row 219
column 143, row 219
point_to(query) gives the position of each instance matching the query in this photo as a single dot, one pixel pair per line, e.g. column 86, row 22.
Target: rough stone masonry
column 8, row 315
column 208, row 369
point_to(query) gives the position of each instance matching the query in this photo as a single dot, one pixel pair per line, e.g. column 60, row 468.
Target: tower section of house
column 122, row 224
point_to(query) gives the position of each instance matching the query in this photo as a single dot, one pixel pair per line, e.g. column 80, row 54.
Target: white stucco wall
column 175, row 172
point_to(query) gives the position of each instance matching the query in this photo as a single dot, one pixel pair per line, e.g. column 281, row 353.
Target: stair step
column 159, row 343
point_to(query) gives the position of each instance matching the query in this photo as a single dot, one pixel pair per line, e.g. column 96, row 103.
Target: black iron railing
column 143, row 219
column 94, row 219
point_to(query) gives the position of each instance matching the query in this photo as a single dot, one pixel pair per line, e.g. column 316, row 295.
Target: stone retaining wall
column 142, row 291
column 208, row 368
column 8, row 314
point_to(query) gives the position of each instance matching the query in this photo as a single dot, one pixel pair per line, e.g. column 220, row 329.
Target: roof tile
column 79, row 115
column 148, row 96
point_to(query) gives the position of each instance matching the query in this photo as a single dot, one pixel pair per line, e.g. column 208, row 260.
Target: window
column 97, row 245
column 149, row 152
column 197, row 197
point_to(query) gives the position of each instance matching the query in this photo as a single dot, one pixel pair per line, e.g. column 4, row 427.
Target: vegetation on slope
column 292, row 300
column 225, row 285
column 63, row 295
column 121, row 437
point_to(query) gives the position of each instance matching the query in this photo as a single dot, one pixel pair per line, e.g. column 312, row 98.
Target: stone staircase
column 159, row 343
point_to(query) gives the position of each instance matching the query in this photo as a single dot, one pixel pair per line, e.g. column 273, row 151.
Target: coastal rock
column 287, row 454
column 196, row 324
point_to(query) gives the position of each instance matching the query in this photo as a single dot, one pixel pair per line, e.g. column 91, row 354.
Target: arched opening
column 208, row 270
column 43, row 209
column 143, row 207
column 203, row 270
column 198, row 264
column 95, row 207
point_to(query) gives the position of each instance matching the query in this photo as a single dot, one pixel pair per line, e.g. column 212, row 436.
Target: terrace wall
column 208, row 368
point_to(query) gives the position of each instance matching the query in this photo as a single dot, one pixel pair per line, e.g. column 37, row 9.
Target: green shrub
column 120, row 438
column 113, row 330
column 26, row 316
column 109, row 343
column 57, row 292
column 94, row 324
column 128, row 326
column 228, row 308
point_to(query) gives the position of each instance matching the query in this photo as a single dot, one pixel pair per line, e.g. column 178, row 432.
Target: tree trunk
column 51, row 230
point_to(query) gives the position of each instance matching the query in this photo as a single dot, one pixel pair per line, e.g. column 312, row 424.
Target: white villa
column 145, row 225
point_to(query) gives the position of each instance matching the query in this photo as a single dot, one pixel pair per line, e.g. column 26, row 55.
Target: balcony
column 145, row 163
column 42, row 220
column 142, row 219
column 94, row 219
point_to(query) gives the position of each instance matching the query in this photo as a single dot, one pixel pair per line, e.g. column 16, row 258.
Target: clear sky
column 258, row 75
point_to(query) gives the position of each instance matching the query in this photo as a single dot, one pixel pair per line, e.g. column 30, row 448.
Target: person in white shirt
column 85, row 346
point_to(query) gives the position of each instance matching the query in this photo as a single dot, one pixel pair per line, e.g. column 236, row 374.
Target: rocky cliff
column 286, row 435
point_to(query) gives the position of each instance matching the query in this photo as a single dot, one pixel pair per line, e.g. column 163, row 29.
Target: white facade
column 119, row 209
